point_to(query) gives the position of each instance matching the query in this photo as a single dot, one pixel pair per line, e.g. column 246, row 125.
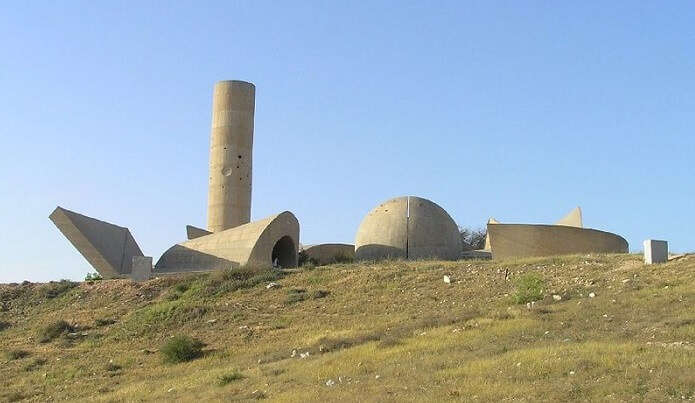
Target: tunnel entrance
column 285, row 252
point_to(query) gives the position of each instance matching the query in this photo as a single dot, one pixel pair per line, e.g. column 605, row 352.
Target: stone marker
column 142, row 268
column 655, row 251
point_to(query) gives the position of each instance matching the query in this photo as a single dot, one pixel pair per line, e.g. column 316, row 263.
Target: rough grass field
column 602, row 328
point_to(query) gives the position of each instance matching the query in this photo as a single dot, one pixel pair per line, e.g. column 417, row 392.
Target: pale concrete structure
column 195, row 232
column 525, row 240
column 488, row 247
column 107, row 247
column 327, row 253
column 141, row 268
column 655, row 251
column 231, row 144
column 407, row 227
column 258, row 243
column 573, row 219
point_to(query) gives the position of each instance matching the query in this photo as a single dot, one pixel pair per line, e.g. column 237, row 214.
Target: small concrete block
column 142, row 268
column 655, row 251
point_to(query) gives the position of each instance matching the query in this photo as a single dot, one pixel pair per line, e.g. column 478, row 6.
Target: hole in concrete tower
column 285, row 252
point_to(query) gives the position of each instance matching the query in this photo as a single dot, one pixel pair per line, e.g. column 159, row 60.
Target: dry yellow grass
column 389, row 331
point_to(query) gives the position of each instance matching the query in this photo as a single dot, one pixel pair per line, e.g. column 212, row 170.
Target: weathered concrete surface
column 655, row 251
column 488, row 247
column 327, row 253
column 195, row 232
column 107, row 247
column 407, row 227
column 142, row 268
column 231, row 144
column 572, row 219
column 523, row 240
column 256, row 244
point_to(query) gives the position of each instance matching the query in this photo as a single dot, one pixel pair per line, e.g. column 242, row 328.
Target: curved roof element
column 255, row 243
column 195, row 232
column 572, row 219
column 525, row 240
column 408, row 227
column 328, row 253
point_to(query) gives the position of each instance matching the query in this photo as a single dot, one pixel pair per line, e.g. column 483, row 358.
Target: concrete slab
column 142, row 268
column 107, row 247
column 195, row 232
column 572, row 219
column 655, row 251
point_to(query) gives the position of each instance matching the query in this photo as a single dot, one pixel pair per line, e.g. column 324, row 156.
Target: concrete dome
column 407, row 227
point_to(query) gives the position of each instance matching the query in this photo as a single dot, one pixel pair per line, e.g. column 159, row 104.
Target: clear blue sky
column 515, row 110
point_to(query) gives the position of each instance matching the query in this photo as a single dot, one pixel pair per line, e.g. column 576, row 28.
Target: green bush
column 181, row 349
column 53, row 330
column 4, row 325
column 91, row 277
column 16, row 354
column 35, row 364
column 229, row 378
column 529, row 288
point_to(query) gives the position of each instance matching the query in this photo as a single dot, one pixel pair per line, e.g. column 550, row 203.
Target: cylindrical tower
column 231, row 145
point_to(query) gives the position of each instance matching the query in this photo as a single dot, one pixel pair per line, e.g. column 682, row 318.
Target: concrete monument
column 407, row 227
column 655, row 251
column 327, row 253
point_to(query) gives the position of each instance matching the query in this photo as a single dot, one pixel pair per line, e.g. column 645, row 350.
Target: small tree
column 472, row 239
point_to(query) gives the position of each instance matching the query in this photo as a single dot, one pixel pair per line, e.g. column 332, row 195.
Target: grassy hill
column 603, row 327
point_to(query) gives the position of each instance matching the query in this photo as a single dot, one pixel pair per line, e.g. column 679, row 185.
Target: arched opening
column 285, row 252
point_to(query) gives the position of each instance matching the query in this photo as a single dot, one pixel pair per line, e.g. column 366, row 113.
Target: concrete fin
column 195, row 232
column 107, row 247
column 488, row 245
column 572, row 219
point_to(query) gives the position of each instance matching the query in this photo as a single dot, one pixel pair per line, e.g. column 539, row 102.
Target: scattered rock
column 304, row 355
column 294, row 354
column 212, row 320
column 377, row 377
column 447, row 279
column 330, row 383
column 272, row 285
column 557, row 297
column 592, row 295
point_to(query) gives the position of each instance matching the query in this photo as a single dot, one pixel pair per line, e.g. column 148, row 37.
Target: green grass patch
column 528, row 288
column 182, row 348
column 16, row 354
column 54, row 330
column 229, row 378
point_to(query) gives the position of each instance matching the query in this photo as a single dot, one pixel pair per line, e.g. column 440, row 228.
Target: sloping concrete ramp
column 107, row 247
column 258, row 243
column 525, row 240
column 195, row 232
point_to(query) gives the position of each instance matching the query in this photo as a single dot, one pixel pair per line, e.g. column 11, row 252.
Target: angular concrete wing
column 107, row 247
column 573, row 219
column 257, row 243
column 195, row 232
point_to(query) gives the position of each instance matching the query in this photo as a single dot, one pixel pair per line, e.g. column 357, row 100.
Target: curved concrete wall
column 231, row 144
column 326, row 253
column 248, row 244
column 523, row 240
column 409, row 227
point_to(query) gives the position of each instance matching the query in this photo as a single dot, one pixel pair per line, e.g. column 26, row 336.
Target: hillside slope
column 370, row 332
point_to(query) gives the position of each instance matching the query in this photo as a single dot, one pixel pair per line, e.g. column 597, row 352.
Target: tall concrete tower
column 231, row 145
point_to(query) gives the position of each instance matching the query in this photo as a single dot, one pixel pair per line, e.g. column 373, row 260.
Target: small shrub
column 181, row 349
column 303, row 259
column 112, row 367
column 4, row 325
column 92, row 277
column 53, row 330
column 100, row 322
column 16, row 354
column 55, row 289
column 319, row 294
column 342, row 258
column 529, row 288
column 35, row 364
column 229, row 378
column 13, row 396
column 296, row 295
